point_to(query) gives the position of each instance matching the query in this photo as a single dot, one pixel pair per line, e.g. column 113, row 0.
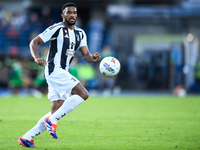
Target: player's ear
column 62, row 15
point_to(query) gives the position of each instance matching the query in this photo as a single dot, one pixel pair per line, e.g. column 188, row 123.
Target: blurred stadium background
column 156, row 41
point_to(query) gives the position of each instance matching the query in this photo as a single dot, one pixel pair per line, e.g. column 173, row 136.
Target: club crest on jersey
column 65, row 31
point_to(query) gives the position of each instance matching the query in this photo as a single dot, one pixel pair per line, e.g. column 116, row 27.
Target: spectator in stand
column 40, row 81
column 16, row 71
column 85, row 72
column 17, row 20
column 34, row 22
column 4, row 72
column 46, row 18
column 12, row 36
column 108, row 83
column 30, row 28
column 20, row 77
column 6, row 15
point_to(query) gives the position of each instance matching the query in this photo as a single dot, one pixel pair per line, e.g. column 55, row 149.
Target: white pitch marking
column 133, row 121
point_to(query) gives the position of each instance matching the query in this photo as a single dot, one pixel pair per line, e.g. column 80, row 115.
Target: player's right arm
column 34, row 51
column 42, row 38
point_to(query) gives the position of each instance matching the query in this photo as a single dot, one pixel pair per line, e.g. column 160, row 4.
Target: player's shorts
column 60, row 84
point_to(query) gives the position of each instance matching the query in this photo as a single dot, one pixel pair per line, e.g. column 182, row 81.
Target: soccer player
column 64, row 90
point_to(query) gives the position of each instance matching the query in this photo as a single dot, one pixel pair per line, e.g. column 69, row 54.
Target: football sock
column 69, row 105
column 37, row 129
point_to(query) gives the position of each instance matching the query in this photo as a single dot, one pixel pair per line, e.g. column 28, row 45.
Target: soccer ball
column 109, row 66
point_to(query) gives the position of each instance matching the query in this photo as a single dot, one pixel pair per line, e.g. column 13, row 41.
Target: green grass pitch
column 107, row 123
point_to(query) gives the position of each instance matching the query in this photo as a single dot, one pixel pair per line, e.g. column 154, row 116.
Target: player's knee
column 54, row 109
column 55, row 105
column 85, row 95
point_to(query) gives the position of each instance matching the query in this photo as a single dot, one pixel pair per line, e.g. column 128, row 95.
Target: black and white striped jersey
column 63, row 45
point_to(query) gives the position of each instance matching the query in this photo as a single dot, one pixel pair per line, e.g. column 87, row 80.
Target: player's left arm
column 87, row 56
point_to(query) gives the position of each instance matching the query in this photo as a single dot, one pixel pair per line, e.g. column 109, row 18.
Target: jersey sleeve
column 48, row 33
column 83, row 40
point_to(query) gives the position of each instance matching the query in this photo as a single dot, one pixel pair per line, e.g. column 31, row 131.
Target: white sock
column 69, row 105
column 37, row 129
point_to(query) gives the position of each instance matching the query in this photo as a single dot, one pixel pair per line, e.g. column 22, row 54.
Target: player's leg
column 37, row 129
column 55, row 105
column 79, row 95
column 26, row 139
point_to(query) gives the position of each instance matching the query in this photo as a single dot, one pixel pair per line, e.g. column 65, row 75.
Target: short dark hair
column 68, row 5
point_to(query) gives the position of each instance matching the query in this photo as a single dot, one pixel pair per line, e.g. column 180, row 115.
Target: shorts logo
column 73, row 79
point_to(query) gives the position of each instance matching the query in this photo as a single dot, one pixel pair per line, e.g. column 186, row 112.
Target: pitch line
column 133, row 121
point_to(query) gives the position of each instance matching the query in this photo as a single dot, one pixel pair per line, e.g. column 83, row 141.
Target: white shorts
column 60, row 84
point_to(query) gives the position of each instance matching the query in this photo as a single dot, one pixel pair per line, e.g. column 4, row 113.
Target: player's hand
column 96, row 57
column 40, row 61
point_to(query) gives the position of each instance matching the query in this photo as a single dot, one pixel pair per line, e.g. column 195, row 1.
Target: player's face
column 69, row 15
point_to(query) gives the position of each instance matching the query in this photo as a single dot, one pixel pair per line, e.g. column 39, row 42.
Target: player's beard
column 69, row 23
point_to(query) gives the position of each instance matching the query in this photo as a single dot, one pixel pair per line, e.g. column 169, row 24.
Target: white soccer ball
column 109, row 66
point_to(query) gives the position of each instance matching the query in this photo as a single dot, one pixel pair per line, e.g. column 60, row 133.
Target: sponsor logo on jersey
column 70, row 52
